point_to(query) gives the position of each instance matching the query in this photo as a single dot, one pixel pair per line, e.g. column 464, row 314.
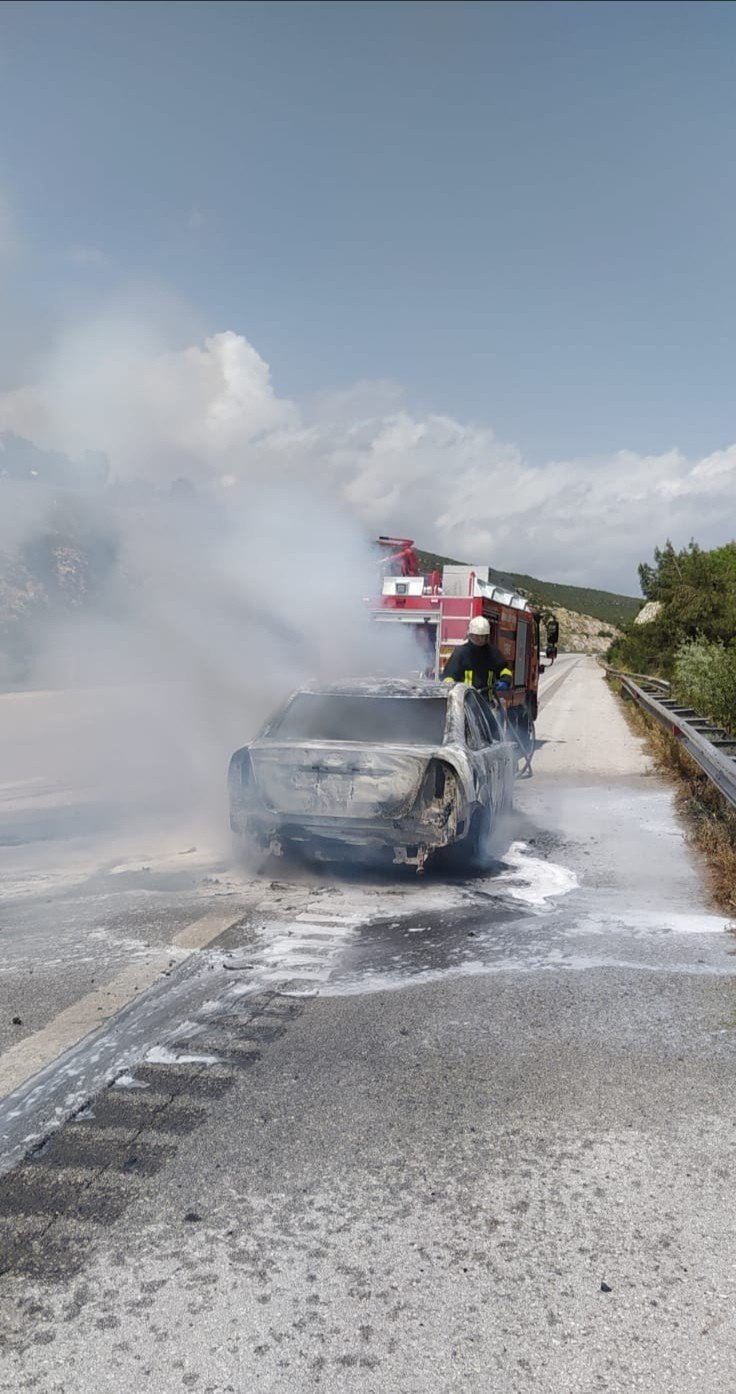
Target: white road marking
column 25, row 1059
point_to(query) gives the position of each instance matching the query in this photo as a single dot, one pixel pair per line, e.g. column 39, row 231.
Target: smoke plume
column 228, row 530
column 200, row 563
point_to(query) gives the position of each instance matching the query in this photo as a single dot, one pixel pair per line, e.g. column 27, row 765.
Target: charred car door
column 489, row 753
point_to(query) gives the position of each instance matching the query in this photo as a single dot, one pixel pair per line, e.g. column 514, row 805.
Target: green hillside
column 613, row 609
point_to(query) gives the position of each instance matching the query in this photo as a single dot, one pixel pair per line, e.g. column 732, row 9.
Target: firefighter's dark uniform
column 478, row 665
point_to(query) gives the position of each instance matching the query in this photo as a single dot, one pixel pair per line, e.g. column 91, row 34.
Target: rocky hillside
column 52, row 575
column 610, row 609
column 583, row 633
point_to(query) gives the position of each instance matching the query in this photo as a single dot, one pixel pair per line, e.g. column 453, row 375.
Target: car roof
column 393, row 687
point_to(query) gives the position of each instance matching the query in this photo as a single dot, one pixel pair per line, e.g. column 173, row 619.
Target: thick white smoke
column 234, row 570
column 250, row 577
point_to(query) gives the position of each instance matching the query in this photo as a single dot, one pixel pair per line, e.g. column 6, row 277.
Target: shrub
column 704, row 677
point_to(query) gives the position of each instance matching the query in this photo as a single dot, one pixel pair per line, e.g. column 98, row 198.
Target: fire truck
column 439, row 607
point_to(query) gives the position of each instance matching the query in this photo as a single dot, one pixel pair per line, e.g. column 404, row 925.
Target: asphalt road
column 407, row 1137
column 110, row 845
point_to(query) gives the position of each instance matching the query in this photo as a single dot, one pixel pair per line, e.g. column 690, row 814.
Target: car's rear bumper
column 410, row 840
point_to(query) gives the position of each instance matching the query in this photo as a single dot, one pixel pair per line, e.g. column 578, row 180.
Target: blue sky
column 525, row 214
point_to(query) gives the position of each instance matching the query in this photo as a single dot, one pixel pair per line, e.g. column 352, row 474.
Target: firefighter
column 478, row 662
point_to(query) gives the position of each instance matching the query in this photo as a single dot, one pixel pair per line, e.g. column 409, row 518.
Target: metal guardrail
column 709, row 745
column 647, row 683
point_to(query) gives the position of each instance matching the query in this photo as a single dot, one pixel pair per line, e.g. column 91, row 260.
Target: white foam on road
column 308, row 946
column 161, row 1055
column 532, row 880
column 649, row 922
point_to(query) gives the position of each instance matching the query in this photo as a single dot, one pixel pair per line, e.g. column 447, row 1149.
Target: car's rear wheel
column 473, row 852
column 479, row 838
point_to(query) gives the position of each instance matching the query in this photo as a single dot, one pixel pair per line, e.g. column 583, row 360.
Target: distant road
column 554, row 674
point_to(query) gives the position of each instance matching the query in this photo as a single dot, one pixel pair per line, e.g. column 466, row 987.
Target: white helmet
column 479, row 625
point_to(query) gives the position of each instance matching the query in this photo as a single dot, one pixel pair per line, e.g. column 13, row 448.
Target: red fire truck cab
column 439, row 607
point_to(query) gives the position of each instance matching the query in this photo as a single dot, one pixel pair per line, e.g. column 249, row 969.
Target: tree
column 697, row 593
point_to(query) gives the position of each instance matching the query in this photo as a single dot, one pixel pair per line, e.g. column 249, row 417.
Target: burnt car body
column 412, row 769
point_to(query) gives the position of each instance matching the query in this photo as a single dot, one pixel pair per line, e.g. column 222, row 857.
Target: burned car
column 410, row 770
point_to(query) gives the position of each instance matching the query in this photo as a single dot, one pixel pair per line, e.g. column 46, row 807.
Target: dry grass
column 709, row 818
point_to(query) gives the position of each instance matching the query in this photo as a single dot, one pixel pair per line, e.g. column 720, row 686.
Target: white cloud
column 210, row 412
